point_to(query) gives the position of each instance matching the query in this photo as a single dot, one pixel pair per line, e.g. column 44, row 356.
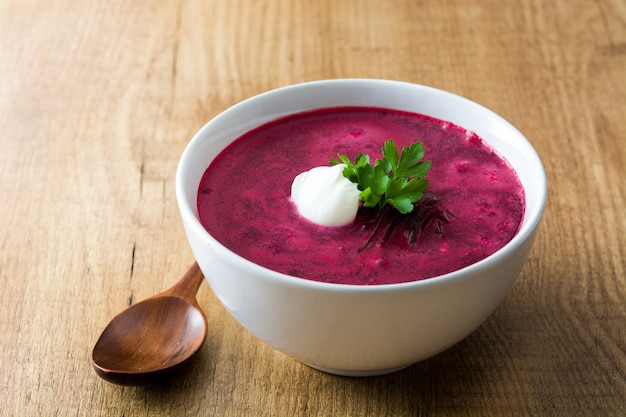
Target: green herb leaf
column 398, row 179
column 390, row 153
column 403, row 205
column 414, row 189
column 369, row 198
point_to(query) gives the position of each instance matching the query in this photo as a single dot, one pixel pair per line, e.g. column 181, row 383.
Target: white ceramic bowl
column 349, row 329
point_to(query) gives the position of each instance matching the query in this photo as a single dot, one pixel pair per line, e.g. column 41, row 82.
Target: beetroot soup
column 244, row 198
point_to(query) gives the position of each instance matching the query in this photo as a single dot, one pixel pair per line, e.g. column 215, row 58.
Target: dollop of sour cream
column 325, row 197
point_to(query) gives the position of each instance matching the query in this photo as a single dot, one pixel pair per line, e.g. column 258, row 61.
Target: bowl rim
column 530, row 221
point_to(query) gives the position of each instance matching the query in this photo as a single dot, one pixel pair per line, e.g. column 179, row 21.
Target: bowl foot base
column 358, row 374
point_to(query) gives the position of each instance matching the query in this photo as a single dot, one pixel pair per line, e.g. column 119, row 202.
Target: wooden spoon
column 153, row 337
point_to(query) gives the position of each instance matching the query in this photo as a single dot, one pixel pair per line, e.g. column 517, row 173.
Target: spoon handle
column 188, row 285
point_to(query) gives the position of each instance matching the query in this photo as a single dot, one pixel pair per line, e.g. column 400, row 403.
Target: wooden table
column 99, row 98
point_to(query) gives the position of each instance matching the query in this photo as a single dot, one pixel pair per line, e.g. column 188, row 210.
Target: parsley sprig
column 393, row 193
column 398, row 179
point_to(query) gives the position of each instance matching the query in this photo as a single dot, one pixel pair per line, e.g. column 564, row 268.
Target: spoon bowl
column 153, row 337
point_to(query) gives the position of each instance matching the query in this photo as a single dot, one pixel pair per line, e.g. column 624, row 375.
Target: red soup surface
column 244, row 197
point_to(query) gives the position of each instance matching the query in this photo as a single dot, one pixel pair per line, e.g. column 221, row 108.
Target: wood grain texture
column 98, row 100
